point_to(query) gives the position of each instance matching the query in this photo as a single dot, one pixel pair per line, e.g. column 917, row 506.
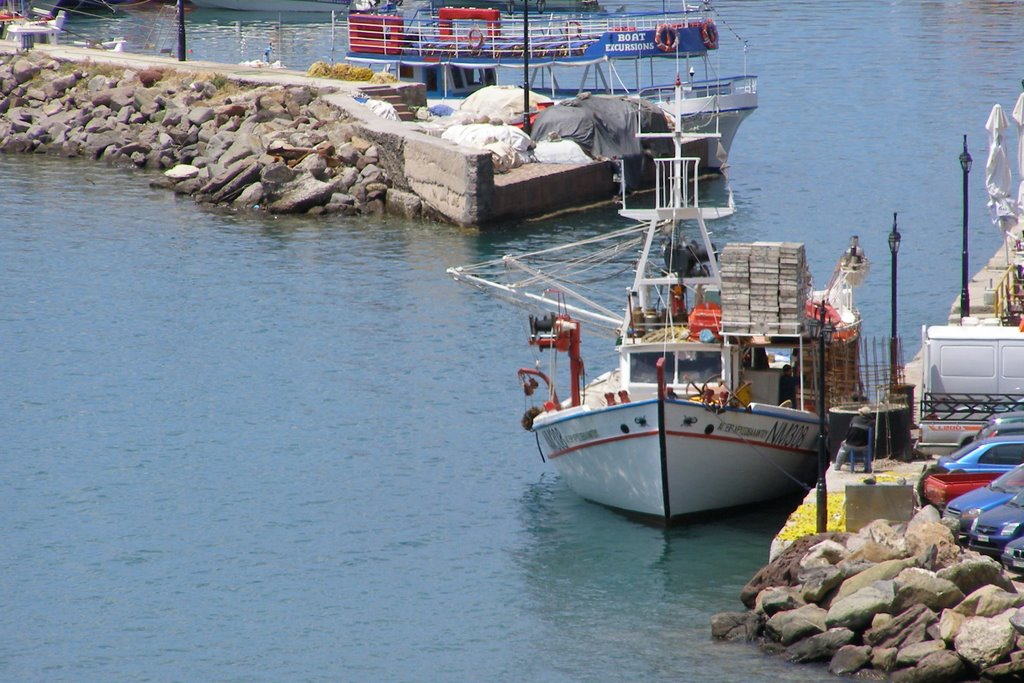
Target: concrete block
column 868, row 502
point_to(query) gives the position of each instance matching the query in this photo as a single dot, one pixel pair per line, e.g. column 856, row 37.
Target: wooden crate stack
column 764, row 288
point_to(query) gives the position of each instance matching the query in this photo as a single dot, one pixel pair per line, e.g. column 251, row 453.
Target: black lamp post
column 821, row 330
column 965, row 297
column 894, row 247
column 527, row 125
column 181, row 29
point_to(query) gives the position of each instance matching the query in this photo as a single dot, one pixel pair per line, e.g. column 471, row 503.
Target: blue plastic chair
column 863, row 453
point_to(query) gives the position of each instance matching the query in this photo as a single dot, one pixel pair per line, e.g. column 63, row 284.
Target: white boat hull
column 702, row 460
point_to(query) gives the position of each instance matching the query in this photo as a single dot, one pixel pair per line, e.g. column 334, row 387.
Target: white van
column 968, row 373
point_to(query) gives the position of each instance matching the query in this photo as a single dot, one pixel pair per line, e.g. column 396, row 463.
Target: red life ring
column 709, row 34
column 476, row 40
column 666, row 38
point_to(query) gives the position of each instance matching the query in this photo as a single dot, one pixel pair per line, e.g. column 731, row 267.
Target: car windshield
column 1017, row 500
column 1011, row 482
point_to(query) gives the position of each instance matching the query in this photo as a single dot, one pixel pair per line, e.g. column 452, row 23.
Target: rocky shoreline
column 280, row 149
column 900, row 602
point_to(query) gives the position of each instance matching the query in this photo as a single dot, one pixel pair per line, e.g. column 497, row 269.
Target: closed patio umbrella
column 998, row 176
column 1018, row 118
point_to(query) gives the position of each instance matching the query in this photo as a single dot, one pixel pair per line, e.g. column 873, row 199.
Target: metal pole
column 526, row 67
column 822, row 493
column 893, row 249
column 181, row 30
column 965, row 297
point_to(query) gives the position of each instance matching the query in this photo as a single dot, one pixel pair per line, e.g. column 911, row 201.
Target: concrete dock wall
column 455, row 184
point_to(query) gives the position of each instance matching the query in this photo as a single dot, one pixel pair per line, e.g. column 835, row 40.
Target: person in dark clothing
column 787, row 386
column 856, row 436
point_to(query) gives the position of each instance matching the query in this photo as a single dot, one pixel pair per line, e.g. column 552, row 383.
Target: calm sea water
column 246, row 448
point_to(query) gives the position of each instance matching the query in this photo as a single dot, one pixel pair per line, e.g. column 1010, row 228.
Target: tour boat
column 455, row 51
column 696, row 416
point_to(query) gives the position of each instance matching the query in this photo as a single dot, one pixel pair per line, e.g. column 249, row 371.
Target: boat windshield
column 689, row 366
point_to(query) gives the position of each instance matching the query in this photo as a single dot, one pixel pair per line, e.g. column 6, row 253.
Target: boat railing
column 675, row 187
column 675, row 183
column 489, row 35
column 730, row 85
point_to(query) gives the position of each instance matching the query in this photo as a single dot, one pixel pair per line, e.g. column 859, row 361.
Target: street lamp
column 527, row 125
column 894, row 247
column 180, row 10
column 965, row 298
column 822, row 331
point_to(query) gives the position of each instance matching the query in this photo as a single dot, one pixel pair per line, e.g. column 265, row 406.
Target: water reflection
column 599, row 585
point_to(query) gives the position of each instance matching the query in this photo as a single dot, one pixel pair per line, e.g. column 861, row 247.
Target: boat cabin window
column 697, row 366
column 688, row 366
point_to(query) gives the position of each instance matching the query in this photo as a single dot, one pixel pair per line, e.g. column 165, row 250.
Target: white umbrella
column 1018, row 118
column 998, row 176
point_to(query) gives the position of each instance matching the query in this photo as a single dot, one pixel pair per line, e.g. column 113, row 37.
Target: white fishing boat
column 455, row 51
column 700, row 413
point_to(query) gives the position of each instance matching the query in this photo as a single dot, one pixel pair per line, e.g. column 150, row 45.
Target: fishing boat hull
column 680, row 458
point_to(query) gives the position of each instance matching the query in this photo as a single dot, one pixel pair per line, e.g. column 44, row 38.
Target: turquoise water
column 254, row 448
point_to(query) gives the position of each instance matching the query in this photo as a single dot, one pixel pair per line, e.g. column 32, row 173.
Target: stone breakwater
column 900, row 602
column 280, row 149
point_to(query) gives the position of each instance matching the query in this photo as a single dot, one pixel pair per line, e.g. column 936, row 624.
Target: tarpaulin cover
column 605, row 127
column 501, row 101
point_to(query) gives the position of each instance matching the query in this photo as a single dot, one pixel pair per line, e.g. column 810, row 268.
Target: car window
column 1003, row 454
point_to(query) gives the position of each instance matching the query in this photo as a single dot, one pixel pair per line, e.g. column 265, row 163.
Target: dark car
column 997, row 424
column 1013, row 556
column 991, row 531
column 966, row 508
column 995, row 454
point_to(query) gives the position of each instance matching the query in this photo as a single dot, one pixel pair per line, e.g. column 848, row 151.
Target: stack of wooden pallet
column 764, row 288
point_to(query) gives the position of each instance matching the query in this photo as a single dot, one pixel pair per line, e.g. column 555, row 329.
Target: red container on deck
column 705, row 316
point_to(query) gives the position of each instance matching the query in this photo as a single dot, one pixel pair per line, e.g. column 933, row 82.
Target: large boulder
column 856, row 611
column 882, row 571
column 24, row 70
column 920, row 586
column 302, row 195
column 923, row 535
column 906, row 629
column 746, row 626
column 971, row 573
column 984, row 641
column 942, row 666
column 789, row 627
column 914, row 653
column 948, row 626
column 849, row 659
column 822, row 647
column 778, row 599
column 989, row 601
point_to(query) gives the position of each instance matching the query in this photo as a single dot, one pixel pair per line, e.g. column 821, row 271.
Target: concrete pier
column 456, row 184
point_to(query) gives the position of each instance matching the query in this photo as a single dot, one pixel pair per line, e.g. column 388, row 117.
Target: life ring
column 475, row 40
column 709, row 34
column 666, row 38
